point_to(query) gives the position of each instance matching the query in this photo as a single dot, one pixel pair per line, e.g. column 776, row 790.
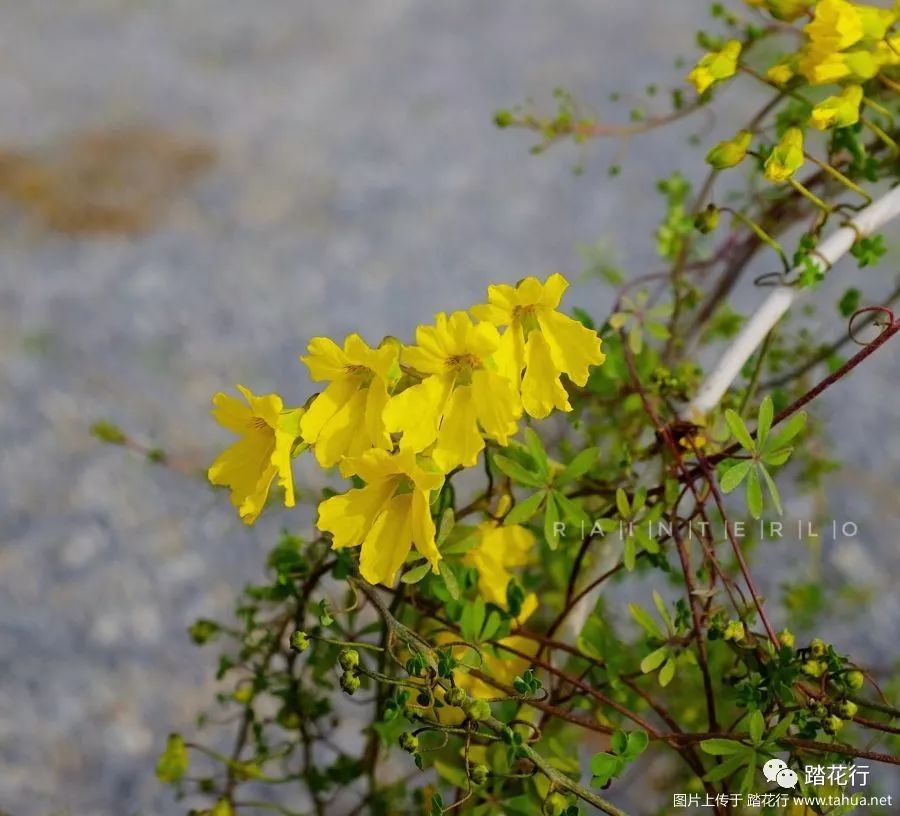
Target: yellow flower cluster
column 399, row 418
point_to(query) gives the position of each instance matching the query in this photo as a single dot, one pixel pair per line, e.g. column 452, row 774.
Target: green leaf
column 525, row 509
column 173, row 762
column 604, row 767
column 629, row 553
column 663, row 611
column 448, row 521
column 667, row 672
column 654, row 660
column 516, row 472
column 739, row 430
column 791, row 428
column 757, row 726
column 551, row 518
column 622, row 503
column 472, row 620
column 416, row 574
column 764, row 421
column 536, row 448
column 449, row 580
column 619, row 742
column 732, row 477
column 572, row 511
column 773, row 490
column 646, row 621
column 727, row 768
column 776, row 458
column 580, row 465
column 637, row 743
column 722, row 747
column 754, row 494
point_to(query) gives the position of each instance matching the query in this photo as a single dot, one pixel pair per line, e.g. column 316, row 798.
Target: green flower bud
column 817, row 709
column 299, row 641
column 855, row 679
column 409, row 742
column 479, row 774
column 817, row 647
column 786, row 636
column 707, row 219
column 731, row 152
column 813, row 668
column 350, row 682
column 846, row 709
column 348, row 659
column 734, row 631
column 203, row 630
column 477, row 710
column 456, row 697
column 503, row 118
column 831, row 725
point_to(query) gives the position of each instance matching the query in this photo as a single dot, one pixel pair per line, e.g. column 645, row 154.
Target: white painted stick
column 780, row 300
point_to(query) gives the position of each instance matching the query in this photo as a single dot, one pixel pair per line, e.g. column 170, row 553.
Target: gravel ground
column 345, row 177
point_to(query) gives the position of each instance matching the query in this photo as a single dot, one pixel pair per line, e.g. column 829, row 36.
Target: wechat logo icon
column 776, row 770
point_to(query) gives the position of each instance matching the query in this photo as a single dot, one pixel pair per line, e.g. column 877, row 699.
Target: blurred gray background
column 188, row 192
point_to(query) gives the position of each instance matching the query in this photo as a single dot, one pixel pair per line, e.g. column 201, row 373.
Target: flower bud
column 299, row 641
column 786, row 157
column 477, row 710
column 456, row 697
column 786, row 638
column 409, row 742
column 846, row 709
column 479, row 774
column 813, row 668
column 855, row 679
column 348, row 659
column 350, row 682
column 731, row 152
column 831, row 725
column 734, row 630
column 817, row 647
column 707, row 219
column 817, row 709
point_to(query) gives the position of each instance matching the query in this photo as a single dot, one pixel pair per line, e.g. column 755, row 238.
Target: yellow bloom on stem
column 462, row 395
column 388, row 516
column 346, row 418
column 836, row 25
column 715, row 66
column 781, row 73
column 786, row 157
column 268, row 433
column 499, row 549
column 838, row 111
column 540, row 340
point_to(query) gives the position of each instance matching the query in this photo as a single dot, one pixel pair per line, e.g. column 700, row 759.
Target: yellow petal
column 325, row 406
column 554, row 288
column 345, row 433
column 458, row 441
column 286, row 435
column 350, row 516
column 497, row 404
column 416, row 412
column 326, row 360
column 376, row 399
column 423, row 530
column 574, row 348
column 246, row 469
column 266, row 406
column 388, row 541
column 541, row 389
column 231, row 413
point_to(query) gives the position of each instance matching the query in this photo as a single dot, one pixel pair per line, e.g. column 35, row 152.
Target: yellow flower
column 731, row 152
column 786, row 157
column 499, row 549
column 462, row 393
column 268, row 433
column 859, row 65
column 346, row 418
column 781, row 73
column 838, row 111
column 541, row 340
column 715, row 66
column 836, row 25
column 387, row 517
